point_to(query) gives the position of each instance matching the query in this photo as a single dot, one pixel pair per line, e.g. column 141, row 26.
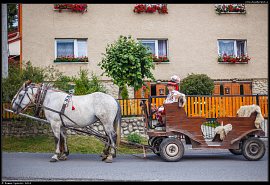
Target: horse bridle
column 25, row 93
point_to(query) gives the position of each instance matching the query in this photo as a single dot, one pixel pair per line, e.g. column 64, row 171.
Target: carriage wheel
column 236, row 151
column 253, row 149
column 155, row 143
column 171, row 149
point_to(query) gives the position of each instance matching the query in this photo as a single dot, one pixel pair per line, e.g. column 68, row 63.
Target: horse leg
column 105, row 153
column 107, row 120
column 63, row 145
column 56, row 131
column 112, row 151
column 106, row 150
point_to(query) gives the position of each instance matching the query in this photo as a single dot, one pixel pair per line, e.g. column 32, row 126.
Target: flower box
column 230, row 8
column 160, row 59
column 72, row 7
column 230, row 59
column 70, row 59
column 150, row 8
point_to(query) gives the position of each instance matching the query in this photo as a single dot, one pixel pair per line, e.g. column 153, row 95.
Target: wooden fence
column 204, row 106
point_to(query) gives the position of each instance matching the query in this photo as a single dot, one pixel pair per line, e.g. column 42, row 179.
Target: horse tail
column 117, row 124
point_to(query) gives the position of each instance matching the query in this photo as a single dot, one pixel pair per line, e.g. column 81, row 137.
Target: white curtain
column 65, row 48
column 162, row 48
column 240, row 48
column 82, row 48
column 226, row 47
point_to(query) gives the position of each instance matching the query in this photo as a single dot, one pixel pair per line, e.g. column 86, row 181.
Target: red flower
column 139, row 8
column 233, row 59
column 73, row 7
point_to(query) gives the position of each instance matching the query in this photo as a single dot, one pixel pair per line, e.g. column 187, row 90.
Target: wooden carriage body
column 177, row 123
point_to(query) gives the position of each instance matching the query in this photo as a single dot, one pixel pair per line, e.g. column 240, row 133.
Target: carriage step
column 211, row 143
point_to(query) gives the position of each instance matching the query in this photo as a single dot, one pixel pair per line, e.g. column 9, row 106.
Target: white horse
column 63, row 110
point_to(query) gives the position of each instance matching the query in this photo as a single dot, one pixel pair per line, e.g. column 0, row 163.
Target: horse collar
column 40, row 97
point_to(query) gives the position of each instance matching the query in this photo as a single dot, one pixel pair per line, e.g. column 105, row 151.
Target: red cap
column 172, row 83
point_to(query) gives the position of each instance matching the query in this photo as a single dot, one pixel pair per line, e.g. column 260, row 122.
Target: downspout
column 20, row 33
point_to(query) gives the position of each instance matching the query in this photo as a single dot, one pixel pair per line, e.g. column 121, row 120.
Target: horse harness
column 25, row 93
column 39, row 100
column 40, row 97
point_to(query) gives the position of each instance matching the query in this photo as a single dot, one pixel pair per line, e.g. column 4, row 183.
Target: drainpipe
column 20, row 32
column 4, row 42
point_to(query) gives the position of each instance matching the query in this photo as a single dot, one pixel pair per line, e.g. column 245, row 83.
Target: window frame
column 75, row 45
column 156, row 45
column 235, row 51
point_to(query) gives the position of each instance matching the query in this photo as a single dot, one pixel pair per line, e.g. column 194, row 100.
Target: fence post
column 257, row 100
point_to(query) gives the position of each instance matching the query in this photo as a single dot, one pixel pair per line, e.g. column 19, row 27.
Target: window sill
column 232, row 63
column 231, row 13
column 161, row 63
column 71, row 62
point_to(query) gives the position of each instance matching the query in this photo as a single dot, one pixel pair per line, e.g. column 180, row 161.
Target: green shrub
column 213, row 124
column 84, row 85
column 17, row 77
column 135, row 138
column 63, row 83
column 197, row 84
column 124, row 92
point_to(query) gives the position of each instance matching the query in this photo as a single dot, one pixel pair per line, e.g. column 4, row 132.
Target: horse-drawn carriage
column 242, row 138
column 167, row 142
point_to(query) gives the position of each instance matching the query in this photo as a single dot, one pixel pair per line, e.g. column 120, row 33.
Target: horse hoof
column 63, row 158
column 53, row 160
column 104, row 157
column 108, row 159
column 67, row 153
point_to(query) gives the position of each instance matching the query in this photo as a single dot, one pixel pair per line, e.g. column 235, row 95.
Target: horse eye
column 20, row 95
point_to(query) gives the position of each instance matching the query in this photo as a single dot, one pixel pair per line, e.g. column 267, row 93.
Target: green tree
column 12, row 11
column 197, row 84
column 127, row 62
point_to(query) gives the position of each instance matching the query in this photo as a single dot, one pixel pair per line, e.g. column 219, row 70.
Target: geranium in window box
column 73, row 7
column 230, row 8
column 71, row 59
column 160, row 59
column 233, row 60
column 150, row 8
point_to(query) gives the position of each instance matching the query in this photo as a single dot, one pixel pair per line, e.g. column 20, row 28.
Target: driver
column 172, row 97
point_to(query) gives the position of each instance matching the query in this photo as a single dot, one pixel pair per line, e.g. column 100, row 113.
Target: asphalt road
column 196, row 165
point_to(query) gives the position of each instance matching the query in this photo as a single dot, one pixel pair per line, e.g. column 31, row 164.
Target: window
column 232, row 47
column 157, row 47
column 70, row 47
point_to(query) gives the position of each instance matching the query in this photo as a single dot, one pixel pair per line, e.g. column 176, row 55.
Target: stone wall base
column 32, row 128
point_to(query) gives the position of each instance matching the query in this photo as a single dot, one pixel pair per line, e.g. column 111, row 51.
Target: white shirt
column 171, row 97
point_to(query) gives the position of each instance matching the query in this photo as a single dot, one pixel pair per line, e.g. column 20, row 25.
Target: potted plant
column 73, row 7
column 230, row 8
column 233, row 59
column 71, row 59
column 160, row 59
column 151, row 8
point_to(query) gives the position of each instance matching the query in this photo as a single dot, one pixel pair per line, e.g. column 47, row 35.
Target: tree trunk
column 120, row 92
